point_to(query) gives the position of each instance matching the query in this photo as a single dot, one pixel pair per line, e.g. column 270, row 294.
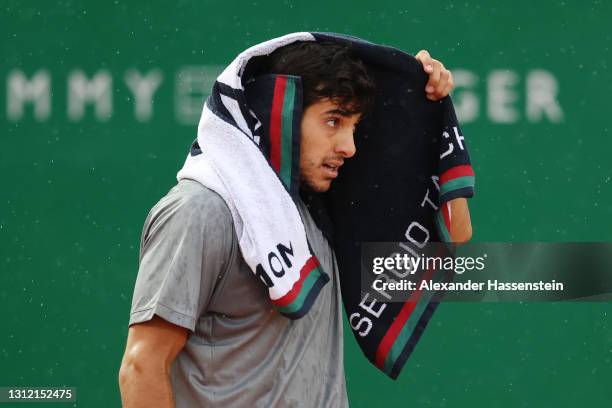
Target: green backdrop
column 77, row 179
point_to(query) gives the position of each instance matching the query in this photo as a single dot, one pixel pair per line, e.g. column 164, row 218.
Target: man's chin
column 315, row 186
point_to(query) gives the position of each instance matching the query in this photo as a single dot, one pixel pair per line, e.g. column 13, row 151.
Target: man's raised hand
column 440, row 82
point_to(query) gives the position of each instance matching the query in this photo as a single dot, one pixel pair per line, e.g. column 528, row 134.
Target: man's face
column 327, row 140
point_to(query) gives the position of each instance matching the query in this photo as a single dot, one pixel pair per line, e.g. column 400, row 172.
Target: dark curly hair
column 328, row 70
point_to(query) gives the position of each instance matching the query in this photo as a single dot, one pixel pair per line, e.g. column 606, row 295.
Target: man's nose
column 345, row 145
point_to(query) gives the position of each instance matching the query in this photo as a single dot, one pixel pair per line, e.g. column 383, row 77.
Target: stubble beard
column 307, row 182
column 309, row 185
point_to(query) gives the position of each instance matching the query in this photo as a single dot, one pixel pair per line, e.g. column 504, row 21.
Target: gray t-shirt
column 241, row 352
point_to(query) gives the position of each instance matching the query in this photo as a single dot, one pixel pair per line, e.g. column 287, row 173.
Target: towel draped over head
column 411, row 161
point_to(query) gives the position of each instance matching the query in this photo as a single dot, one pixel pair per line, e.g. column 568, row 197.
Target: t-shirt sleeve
column 185, row 248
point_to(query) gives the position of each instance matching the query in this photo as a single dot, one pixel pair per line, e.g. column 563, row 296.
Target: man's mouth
column 331, row 169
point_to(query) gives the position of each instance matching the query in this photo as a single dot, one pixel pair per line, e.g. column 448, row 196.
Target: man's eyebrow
column 340, row 112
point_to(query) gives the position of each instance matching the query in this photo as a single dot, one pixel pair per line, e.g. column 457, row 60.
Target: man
column 203, row 331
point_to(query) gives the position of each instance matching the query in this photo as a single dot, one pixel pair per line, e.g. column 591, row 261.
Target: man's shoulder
column 193, row 202
column 194, row 193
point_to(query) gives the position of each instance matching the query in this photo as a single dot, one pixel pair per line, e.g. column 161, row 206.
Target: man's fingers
column 423, row 56
column 425, row 59
column 440, row 82
column 447, row 90
column 434, row 79
column 441, row 86
column 446, row 84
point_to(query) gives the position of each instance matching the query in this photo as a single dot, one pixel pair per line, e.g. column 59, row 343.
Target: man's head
column 337, row 93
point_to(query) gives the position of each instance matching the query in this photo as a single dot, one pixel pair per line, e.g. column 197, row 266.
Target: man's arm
column 461, row 224
column 144, row 377
column 439, row 85
column 173, row 287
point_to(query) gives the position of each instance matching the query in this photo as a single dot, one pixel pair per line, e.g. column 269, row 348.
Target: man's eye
column 332, row 122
